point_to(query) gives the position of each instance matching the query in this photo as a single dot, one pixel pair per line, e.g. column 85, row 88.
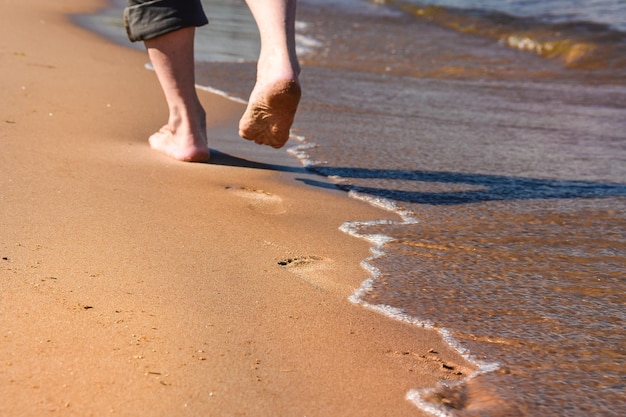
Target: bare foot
column 181, row 147
column 270, row 113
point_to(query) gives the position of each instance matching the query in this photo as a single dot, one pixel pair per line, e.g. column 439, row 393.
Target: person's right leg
column 276, row 94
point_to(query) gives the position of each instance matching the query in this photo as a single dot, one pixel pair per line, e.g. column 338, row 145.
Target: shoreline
column 134, row 284
column 531, row 130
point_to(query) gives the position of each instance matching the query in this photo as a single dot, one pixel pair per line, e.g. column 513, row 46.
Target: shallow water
column 579, row 33
column 510, row 171
column 609, row 12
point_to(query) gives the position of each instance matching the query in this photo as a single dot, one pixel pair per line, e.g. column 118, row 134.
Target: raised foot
column 185, row 150
column 270, row 113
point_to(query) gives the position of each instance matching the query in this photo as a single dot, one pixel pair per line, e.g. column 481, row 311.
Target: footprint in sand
column 259, row 200
column 315, row 270
column 433, row 359
column 300, row 261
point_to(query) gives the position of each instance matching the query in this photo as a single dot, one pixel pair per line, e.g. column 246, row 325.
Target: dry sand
column 134, row 285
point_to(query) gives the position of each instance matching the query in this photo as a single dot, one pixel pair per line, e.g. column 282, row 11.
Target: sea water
column 496, row 130
column 608, row 12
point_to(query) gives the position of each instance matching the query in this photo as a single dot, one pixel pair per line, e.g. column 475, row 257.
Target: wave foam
column 416, row 396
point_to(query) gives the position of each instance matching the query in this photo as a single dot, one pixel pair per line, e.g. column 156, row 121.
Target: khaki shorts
column 147, row 19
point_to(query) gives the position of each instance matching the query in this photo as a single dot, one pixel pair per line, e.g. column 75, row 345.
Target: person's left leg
column 184, row 136
column 167, row 28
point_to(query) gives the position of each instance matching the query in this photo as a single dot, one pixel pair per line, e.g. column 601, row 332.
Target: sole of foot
column 270, row 114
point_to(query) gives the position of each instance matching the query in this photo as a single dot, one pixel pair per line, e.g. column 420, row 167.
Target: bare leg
column 184, row 136
column 276, row 94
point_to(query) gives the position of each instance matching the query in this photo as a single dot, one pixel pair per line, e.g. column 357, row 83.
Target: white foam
column 299, row 151
column 386, row 204
column 416, row 396
column 528, row 44
column 221, row 93
column 305, row 44
column 300, row 25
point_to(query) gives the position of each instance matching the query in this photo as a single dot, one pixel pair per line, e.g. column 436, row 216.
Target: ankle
column 187, row 120
column 277, row 67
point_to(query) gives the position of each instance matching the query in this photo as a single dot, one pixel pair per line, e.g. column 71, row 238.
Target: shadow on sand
column 491, row 187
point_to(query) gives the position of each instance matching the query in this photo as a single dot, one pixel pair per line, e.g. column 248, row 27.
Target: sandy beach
column 131, row 284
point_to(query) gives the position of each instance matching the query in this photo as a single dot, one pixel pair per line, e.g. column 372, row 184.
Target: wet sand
column 131, row 284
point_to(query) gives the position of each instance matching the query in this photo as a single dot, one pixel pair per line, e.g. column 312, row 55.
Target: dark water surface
column 508, row 167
